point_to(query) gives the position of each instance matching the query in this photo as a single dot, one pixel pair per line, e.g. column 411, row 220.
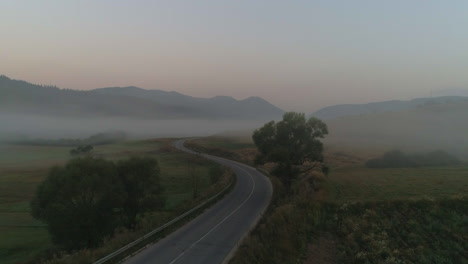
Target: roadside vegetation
column 185, row 180
column 357, row 214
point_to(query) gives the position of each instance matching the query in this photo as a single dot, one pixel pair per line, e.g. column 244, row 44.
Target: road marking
column 222, row 221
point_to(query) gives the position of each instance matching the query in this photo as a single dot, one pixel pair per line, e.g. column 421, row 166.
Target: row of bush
column 399, row 159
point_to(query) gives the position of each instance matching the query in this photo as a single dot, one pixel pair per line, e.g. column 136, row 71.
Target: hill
column 342, row 110
column 20, row 97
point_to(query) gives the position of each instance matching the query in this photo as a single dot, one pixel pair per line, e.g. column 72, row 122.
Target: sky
column 299, row 55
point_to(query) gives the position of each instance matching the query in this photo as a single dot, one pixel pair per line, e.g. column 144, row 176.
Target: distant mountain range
column 26, row 98
column 343, row 110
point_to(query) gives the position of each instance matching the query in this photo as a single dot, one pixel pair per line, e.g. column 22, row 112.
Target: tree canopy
column 293, row 144
column 84, row 201
column 77, row 202
column 143, row 191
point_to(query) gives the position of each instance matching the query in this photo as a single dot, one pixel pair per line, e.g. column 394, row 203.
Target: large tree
column 293, row 144
column 141, row 179
column 78, row 202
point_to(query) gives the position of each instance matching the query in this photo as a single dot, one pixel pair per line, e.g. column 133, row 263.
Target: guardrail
column 159, row 229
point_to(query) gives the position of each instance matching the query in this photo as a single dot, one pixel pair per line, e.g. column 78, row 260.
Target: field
column 22, row 168
column 394, row 215
column 363, row 215
column 365, row 184
column 228, row 143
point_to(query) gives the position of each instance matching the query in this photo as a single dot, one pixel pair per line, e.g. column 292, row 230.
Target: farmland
column 23, row 167
column 363, row 215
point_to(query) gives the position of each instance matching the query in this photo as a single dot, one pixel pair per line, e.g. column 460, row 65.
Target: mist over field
column 16, row 126
column 441, row 126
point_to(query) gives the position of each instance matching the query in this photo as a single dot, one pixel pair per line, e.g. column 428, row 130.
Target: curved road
column 214, row 235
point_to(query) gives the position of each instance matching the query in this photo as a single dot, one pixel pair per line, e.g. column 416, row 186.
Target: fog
column 438, row 127
column 422, row 129
column 16, row 126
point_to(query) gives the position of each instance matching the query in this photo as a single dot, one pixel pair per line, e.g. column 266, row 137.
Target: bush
column 77, row 202
column 81, row 150
column 83, row 202
column 143, row 191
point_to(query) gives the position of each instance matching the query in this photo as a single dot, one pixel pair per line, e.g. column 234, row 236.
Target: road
column 214, row 235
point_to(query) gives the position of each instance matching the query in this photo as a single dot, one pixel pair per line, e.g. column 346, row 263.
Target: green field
column 397, row 215
column 22, row 168
column 364, row 184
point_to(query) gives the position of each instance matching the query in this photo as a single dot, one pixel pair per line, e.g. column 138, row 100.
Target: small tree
column 78, row 201
column 292, row 144
column 143, row 191
column 81, row 150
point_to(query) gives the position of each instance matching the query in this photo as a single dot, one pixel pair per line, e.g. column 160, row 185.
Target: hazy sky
column 299, row 55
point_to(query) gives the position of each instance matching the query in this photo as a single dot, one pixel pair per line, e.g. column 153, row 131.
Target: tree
column 292, row 144
column 78, row 202
column 81, row 149
column 143, row 191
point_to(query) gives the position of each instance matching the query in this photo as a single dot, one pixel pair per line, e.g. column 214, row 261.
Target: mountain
column 343, row 110
column 216, row 107
column 133, row 102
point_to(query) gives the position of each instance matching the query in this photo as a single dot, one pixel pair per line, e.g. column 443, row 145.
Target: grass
column 22, row 168
column 401, row 232
column 230, row 143
column 239, row 148
column 358, row 183
column 394, row 215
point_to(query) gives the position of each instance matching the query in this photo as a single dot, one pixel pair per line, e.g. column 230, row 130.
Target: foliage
column 422, row 231
column 147, row 223
column 81, row 150
column 83, row 202
column 292, row 144
column 398, row 159
column 78, row 202
column 282, row 233
column 143, row 191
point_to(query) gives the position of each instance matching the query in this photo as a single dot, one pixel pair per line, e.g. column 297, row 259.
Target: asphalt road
column 213, row 236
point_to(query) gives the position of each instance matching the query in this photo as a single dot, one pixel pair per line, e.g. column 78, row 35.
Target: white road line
column 250, row 195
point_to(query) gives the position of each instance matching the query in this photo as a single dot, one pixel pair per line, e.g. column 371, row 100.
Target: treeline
column 399, row 159
column 97, row 139
column 84, row 201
